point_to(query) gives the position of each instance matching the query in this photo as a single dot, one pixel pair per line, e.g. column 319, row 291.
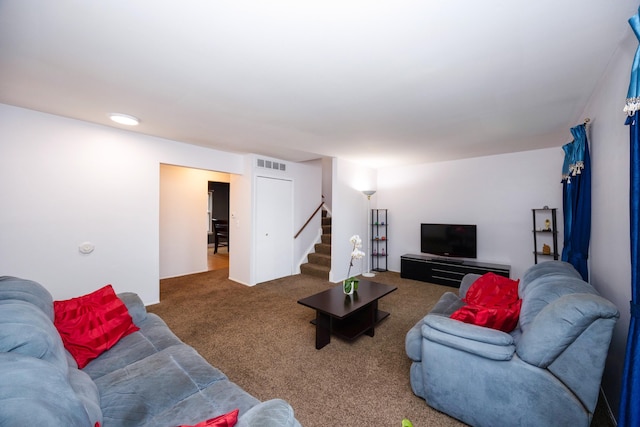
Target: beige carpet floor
column 262, row 339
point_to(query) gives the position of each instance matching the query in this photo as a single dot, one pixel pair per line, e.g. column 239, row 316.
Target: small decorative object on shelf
column 350, row 284
column 546, row 249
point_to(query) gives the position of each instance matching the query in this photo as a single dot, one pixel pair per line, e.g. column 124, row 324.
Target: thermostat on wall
column 86, row 248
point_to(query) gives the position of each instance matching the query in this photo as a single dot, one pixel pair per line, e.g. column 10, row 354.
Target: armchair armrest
column 478, row 340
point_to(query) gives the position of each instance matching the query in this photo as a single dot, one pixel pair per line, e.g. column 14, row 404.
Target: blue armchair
column 545, row 372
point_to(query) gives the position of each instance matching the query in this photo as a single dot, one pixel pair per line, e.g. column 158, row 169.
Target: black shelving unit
column 545, row 231
column 379, row 241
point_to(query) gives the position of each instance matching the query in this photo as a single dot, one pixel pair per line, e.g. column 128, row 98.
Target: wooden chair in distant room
column 220, row 234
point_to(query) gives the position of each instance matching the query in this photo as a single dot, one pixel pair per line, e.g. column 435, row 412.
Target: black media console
column 445, row 271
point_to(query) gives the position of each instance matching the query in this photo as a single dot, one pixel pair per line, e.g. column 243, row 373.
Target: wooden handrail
column 310, row 218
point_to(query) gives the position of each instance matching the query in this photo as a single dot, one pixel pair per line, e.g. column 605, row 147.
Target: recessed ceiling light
column 124, row 119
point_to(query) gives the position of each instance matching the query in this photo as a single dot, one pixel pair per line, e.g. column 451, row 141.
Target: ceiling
column 381, row 83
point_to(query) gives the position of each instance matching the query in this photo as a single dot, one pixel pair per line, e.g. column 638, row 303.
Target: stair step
column 320, row 259
column 319, row 264
column 323, row 248
column 315, row 270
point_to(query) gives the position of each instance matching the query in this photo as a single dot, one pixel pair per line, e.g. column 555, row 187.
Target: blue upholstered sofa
column 149, row 378
column 547, row 372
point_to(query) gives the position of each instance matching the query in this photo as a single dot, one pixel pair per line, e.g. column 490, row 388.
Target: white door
column 274, row 228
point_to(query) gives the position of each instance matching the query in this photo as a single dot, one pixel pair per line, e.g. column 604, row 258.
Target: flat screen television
column 451, row 240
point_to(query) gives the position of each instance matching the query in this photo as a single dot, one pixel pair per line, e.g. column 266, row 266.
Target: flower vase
column 349, row 286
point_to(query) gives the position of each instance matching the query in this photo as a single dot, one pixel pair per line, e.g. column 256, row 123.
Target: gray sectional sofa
column 546, row 372
column 149, row 378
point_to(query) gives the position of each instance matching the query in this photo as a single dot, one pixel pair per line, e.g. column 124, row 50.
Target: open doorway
column 218, row 237
column 184, row 220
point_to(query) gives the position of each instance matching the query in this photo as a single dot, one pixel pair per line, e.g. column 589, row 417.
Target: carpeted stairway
column 319, row 263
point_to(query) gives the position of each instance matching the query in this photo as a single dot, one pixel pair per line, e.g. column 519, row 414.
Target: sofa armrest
column 478, row 340
column 272, row 413
column 135, row 306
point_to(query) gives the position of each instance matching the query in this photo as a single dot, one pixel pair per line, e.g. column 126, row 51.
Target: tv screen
column 452, row 240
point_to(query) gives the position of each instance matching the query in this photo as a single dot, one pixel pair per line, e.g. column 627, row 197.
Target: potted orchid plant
column 350, row 284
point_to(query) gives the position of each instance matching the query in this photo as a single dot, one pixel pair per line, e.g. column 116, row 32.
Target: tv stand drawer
column 443, row 272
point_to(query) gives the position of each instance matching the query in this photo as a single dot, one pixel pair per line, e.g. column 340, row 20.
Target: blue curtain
column 630, row 395
column 576, row 200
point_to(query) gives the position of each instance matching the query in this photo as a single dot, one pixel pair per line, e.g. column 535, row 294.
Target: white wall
column 350, row 215
column 610, row 260
column 240, row 219
column 64, row 182
column 496, row 193
column 307, row 192
column 327, row 184
column 184, row 222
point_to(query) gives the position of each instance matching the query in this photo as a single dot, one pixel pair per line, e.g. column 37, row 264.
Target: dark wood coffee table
column 347, row 316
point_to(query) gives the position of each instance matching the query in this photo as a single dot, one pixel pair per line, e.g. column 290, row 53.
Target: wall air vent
column 268, row 164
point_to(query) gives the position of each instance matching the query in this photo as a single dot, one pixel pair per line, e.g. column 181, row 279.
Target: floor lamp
column 368, row 193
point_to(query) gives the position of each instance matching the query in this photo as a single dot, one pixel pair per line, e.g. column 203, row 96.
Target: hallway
column 217, row 261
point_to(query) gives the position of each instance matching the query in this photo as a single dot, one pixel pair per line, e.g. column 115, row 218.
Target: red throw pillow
column 501, row 318
column 92, row 323
column 492, row 290
column 227, row 420
column 493, row 302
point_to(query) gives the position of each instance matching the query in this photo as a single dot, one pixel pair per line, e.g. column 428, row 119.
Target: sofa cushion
column 217, row 398
column 92, row 323
column 34, row 392
column 559, row 324
column 547, row 268
column 546, row 289
column 25, row 329
column 175, row 386
column 154, row 335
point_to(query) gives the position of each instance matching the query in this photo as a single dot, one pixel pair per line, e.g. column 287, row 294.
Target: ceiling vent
column 269, row 164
